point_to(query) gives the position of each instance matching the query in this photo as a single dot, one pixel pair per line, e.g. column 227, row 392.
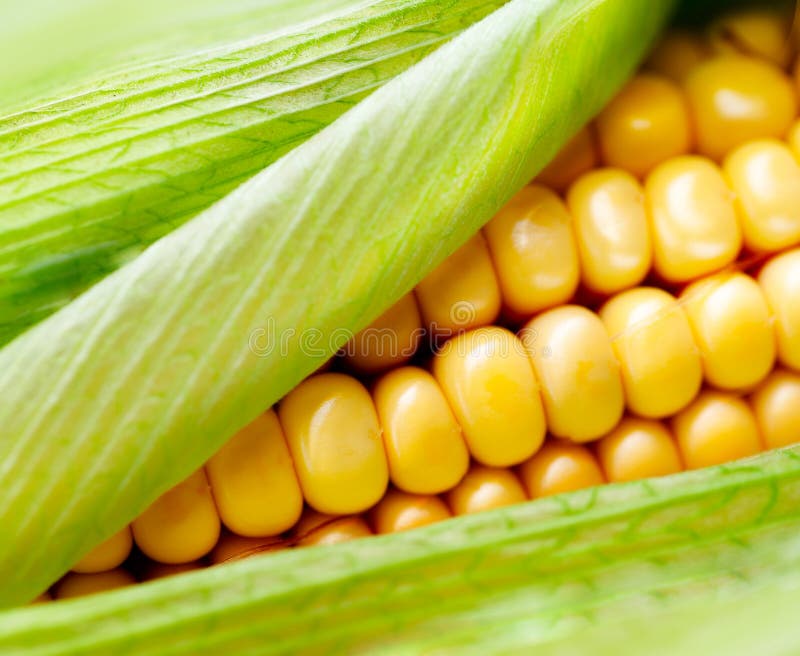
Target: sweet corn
column 611, row 230
column 423, row 442
column 181, row 525
column 758, row 31
column 400, row 511
column 560, row 467
column 577, row 372
column 647, row 123
column 319, row 529
column 236, row 547
column 636, row 449
column 334, row 437
column 578, row 156
column 716, row 427
column 253, row 480
column 80, row 585
column 780, row 281
column 776, row 404
column 734, row 99
column 485, row 488
column 489, row 383
column 677, row 54
column 107, row 555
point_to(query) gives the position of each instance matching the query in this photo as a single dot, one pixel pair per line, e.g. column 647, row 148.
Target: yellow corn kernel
column 423, row 442
column 253, row 480
column 485, row 488
column 734, row 99
column 759, row 32
column 577, row 372
column 611, row 230
column 560, row 467
column 692, row 218
column 334, row 437
column 645, row 124
column 534, row 251
column 79, row 585
column 316, row 528
column 715, row 428
column 400, row 511
column 776, row 404
column 780, row 282
column 389, row 341
column 578, row 156
column 462, row 292
column 489, row 383
column 181, row 525
column 765, row 177
column 161, row 571
column 793, row 137
column 637, row 449
column 235, row 547
column 677, row 53
column 653, row 342
column 732, row 328
column 107, row 555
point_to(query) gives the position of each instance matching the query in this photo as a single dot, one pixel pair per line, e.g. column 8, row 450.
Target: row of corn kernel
column 716, row 427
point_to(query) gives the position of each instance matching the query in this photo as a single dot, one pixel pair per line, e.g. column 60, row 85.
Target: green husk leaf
column 697, row 563
column 88, row 181
column 126, row 390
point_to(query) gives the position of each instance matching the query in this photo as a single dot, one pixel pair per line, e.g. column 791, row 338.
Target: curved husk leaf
column 125, row 391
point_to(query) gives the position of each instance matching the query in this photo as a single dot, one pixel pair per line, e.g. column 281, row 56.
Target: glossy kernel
column 424, row 446
column 611, row 230
column 715, row 428
column 236, row 547
column 692, row 218
column 735, row 99
column 637, row 449
column 732, row 328
column 462, row 292
column 560, row 467
column 319, row 529
column 334, row 437
column 181, row 525
column 253, row 480
column 400, row 511
column 780, row 282
column 534, row 251
column 107, row 555
column 578, row 156
column 80, row 585
column 389, row 341
column 645, row 124
column 489, row 383
column 485, row 488
column 765, row 177
column 577, row 371
column 776, row 404
column 653, row 342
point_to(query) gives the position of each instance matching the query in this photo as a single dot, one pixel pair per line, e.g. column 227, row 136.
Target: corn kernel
column 489, row 383
column 400, row 511
column 759, row 32
column 780, row 282
column 423, row 442
column 485, row 488
column 776, row 404
column 611, row 230
column 319, row 529
column 462, row 292
column 236, row 547
column 253, row 480
column 534, row 251
column 560, row 467
column 637, row 449
column 389, row 341
column 715, row 428
column 652, row 339
column 107, row 555
column 577, row 371
column 161, row 571
column 181, row 525
column 692, row 219
column 334, row 437
column 578, row 156
column 734, row 99
column 732, row 328
column 80, row 585
column 647, row 123
column 677, row 54
column 766, row 180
